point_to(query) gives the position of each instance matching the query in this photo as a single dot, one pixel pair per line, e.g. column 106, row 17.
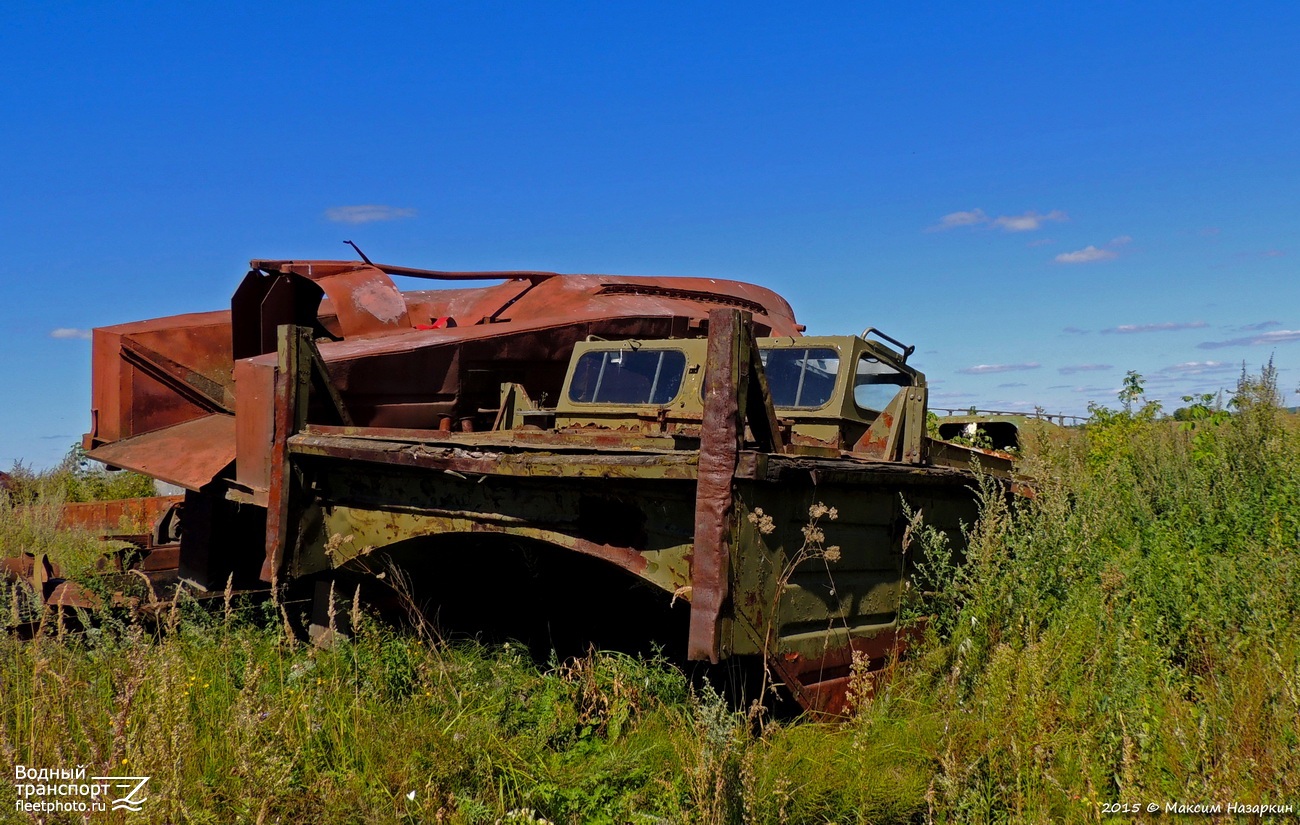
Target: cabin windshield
column 628, row 376
column 801, row 378
column 875, row 383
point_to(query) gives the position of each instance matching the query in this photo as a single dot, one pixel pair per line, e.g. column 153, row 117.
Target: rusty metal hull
column 343, row 425
column 634, row 510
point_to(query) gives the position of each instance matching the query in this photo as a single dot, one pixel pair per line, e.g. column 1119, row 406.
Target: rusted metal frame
column 758, row 407
column 110, row 519
column 543, row 465
column 292, row 385
column 913, row 441
column 866, row 474
column 720, row 443
column 194, row 387
column 514, row 441
column 307, row 268
column 322, row 381
column 653, row 415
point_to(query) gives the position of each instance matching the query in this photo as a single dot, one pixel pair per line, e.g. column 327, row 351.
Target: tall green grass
column 1130, row 634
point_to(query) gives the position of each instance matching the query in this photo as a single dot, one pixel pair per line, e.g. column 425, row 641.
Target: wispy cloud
column 986, row 369
column 1089, row 254
column 1094, row 390
column 368, row 213
column 1012, row 385
column 950, row 396
column 1262, row 325
column 1041, row 242
column 955, row 219
column 1027, row 222
column 1073, row 368
column 1167, row 326
column 1199, row 367
column 1075, row 331
column 66, row 333
column 1280, row 336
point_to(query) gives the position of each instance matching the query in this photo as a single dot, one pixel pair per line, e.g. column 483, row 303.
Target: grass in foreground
column 1132, row 634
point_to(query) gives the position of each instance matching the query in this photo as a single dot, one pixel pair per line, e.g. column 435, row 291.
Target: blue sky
column 1040, row 198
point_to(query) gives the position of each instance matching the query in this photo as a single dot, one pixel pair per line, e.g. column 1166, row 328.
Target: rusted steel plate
column 366, row 302
column 550, row 298
column 16, row 569
column 858, row 471
column 195, row 387
column 161, row 558
column 820, row 683
column 69, row 594
column 189, row 454
column 124, row 517
column 534, row 464
column 719, row 448
column 577, row 441
column 130, row 396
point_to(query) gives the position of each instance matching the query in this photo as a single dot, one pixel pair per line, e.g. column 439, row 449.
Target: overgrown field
column 1131, row 634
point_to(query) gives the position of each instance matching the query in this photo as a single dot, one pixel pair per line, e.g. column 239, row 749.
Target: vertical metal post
column 292, row 385
column 720, row 441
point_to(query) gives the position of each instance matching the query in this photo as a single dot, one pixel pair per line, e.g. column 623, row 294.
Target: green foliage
column 1130, row 633
column 978, row 438
column 77, row 478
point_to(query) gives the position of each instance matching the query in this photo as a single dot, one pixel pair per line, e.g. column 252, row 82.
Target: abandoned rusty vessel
column 584, row 451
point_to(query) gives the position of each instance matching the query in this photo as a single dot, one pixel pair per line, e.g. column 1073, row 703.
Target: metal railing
column 1054, row 418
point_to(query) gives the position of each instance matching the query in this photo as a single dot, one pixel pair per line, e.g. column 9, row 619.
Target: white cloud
column 70, row 332
column 986, row 369
column 1262, row 325
column 1072, row 369
column 1122, row 240
column 1027, row 222
column 955, row 219
column 368, row 213
column 1200, row 367
column 1279, row 336
column 1087, row 255
column 1167, row 326
column 1096, row 390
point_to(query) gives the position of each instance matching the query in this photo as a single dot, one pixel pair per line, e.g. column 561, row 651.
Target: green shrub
column 1131, row 633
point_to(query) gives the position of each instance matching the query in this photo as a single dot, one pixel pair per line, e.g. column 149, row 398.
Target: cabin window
column 875, row 383
column 628, row 376
column 801, row 378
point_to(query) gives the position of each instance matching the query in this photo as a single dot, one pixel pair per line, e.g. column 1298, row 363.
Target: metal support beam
column 727, row 366
column 293, row 376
